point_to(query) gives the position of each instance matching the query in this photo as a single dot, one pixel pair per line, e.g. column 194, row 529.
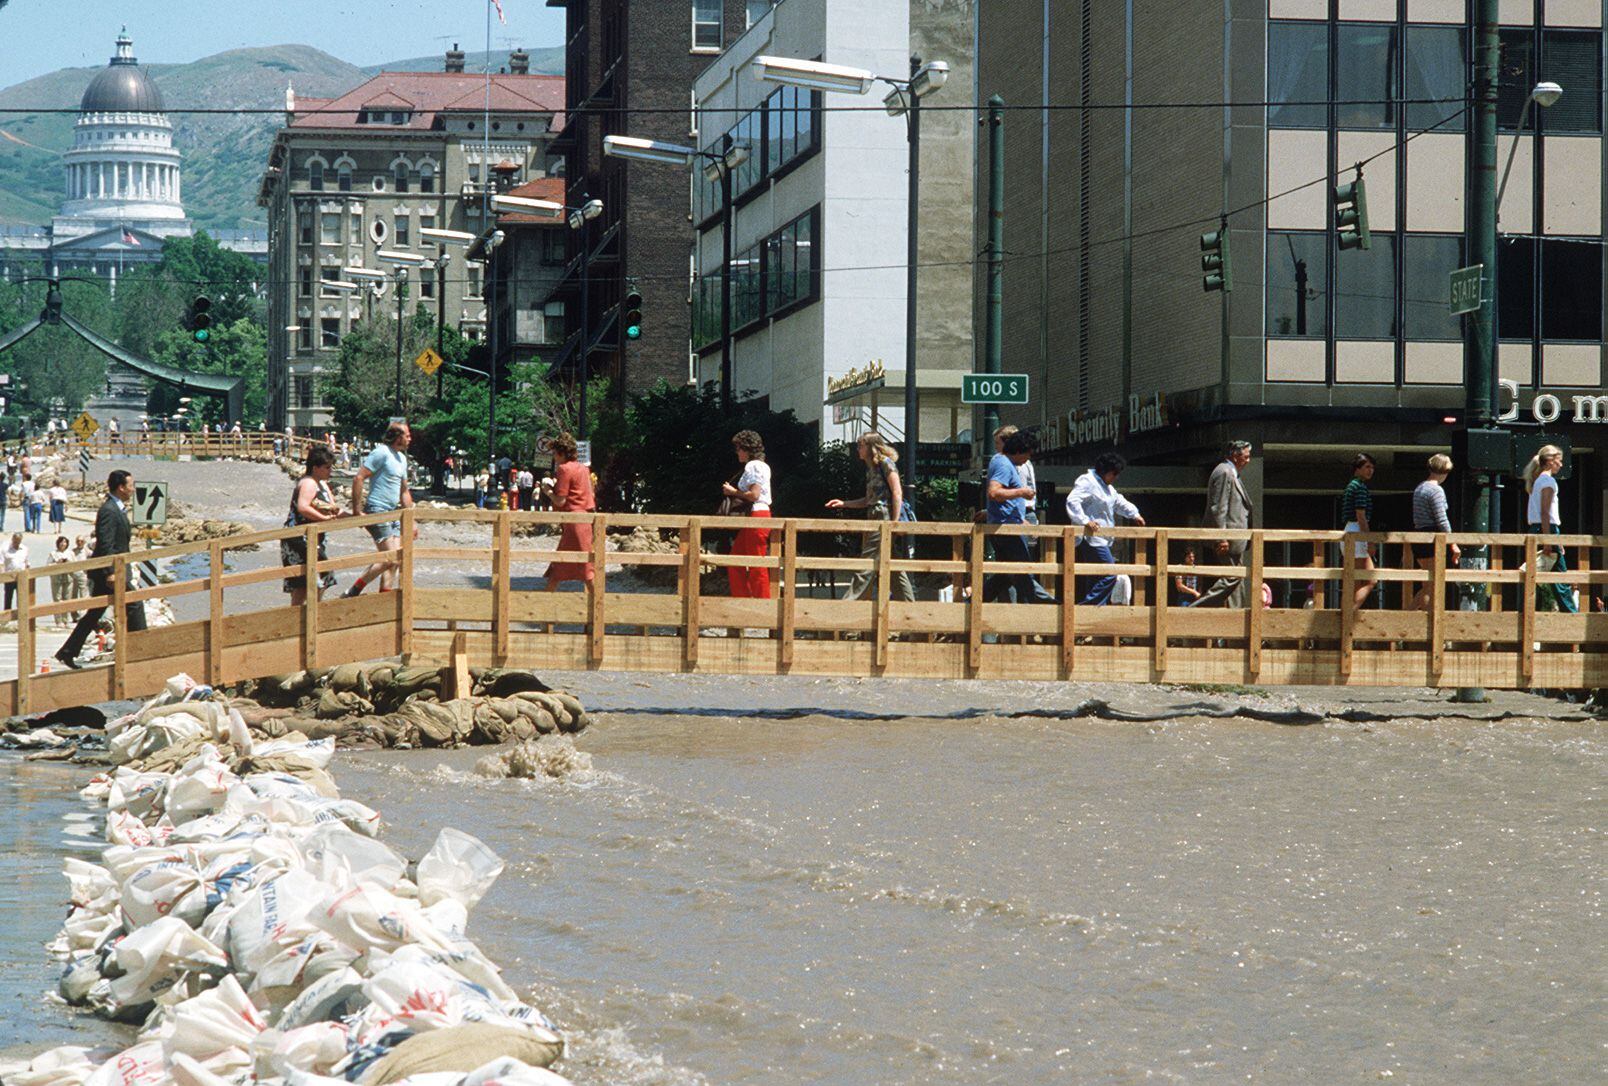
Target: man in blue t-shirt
column 1007, row 497
column 381, row 486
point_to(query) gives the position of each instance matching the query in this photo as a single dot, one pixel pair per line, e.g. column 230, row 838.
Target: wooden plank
column 458, row 676
column 691, row 589
column 788, row 618
column 120, row 618
column 1253, row 641
column 1141, row 593
column 25, row 645
column 1498, row 604
column 1437, row 607
column 309, row 631
column 501, row 585
column 597, row 591
column 1158, row 628
column 974, row 608
column 404, row 585
column 215, row 614
column 884, row 590
column 1527, row 610
column 1348, row 605
column 1069, row 596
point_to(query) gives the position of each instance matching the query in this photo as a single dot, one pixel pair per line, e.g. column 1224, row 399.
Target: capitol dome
column 123, row 87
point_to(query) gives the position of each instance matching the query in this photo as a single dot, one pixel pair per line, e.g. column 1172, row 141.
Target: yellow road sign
column 429, row 361
column 85, row 426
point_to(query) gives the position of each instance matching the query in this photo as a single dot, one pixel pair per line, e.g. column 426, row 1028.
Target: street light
column 403, row 261
column 903, row 99
column 731, row 157
column 1544, row 95
column 446, row 237
column 528, row 205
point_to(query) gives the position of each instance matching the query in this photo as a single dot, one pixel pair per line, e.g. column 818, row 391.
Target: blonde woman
column 1429, row 515
column 884, row 498
column 1540, row 479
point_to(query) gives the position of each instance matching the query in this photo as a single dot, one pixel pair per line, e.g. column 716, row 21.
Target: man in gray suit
column 113, row 532
column 1228, row 505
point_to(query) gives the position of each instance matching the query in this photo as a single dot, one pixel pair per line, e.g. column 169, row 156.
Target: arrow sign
column 150, row 504
column 429, row 361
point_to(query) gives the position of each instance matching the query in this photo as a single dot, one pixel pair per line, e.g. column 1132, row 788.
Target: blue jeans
column 1558, row 593
column 1024, row 587
column 31, row 515
column 1099, row 589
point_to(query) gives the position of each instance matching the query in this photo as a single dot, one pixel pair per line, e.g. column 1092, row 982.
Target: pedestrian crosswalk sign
column 429, row 361
column 85, row 426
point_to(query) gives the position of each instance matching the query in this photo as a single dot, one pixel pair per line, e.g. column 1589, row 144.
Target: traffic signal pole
column 912, row 405
column 994, row 343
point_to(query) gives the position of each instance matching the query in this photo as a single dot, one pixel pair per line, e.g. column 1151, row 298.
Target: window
column 1516, row 76
column 790, row 264
column 304, row 337
column 400, row 175
column 427, row 178
column 330, row 228
column 401, row 230
column 329, row 333
column 427, row 283
column 1365, row 291
column 344, row 179
column 1571, row 290
column 1437, row 67
column 474, row 280
column 1573, row 58
column 315, row 175
column 553, row 250
column 305, row 281
column 1365, row 75
column 1297, row 284
column 1430, row 261
column 1298, row 72
column 304, row 390
column 326, row 275
column 377, row 230
column 750, row 131
column 789, row 127
column 706, row 311
column 304, row 226
column 1515, row 288
column 707, row 20
column 747, row 286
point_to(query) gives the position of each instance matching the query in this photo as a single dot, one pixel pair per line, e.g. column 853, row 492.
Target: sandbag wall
column 253, row 926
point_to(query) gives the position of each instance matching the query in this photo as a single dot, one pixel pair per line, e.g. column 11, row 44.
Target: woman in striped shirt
column 1429, row 515
column 1356, row 511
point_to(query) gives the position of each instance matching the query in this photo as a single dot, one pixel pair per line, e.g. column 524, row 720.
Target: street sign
column 85, row 426
column 1468, row 289
column 583, row 452
column 993, row 388
column 83, row 463
column 943, row 457
column 429, row 361
column 150, row 504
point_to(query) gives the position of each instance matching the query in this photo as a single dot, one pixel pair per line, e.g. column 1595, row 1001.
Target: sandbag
column 459, row 866
column 463, row 1049
column 153, row 957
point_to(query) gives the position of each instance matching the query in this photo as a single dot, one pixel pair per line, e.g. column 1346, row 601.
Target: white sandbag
column 136, row 1066
column 68, row 1065
column 165, row 889
column 316, row 1048
column 507, row 1072
column 217, row 1021
column 152, row 958
column 316, row 752
column 84, row 929
column 123, row 828
column 272, row 917
column 185, row 1071
column 90, row 886
column 465, row 959
column 296, row 967
column 421, row 998
column 79, row 977
column 239, row 734
column 339, row 856
column 322, row 999
column 365, row 917
column 458, row 866
column 38, row 739
column 199, row 787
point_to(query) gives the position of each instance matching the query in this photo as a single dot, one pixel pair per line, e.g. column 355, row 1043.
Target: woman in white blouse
column 13, row 559
column 753, row 490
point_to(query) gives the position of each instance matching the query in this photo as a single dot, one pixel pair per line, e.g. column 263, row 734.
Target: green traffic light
column 202, row 335
column 633, row 331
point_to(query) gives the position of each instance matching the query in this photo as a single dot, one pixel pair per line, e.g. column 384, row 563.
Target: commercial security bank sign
column 1547, row 407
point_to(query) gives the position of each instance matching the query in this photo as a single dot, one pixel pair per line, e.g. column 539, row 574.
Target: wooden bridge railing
column 655, row 611
column 247, row 445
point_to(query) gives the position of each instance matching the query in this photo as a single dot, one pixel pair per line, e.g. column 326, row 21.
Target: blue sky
column 39, row 36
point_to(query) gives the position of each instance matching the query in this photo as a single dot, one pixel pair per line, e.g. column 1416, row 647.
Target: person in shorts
column 381, row 486
column 1356, row 511
column 1429, row 515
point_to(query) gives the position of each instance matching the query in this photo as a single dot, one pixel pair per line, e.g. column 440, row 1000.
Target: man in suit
column 112, row 533
column 1228, row 505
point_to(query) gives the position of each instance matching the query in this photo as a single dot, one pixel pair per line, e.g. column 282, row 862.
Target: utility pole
column 994, row 342
column 912, row 405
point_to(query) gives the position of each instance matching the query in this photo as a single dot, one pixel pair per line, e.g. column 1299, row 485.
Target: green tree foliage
column 237, row 349
column 55, row 371
column 153, row 299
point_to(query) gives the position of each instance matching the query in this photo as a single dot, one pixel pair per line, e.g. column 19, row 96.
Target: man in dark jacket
column 112, row 533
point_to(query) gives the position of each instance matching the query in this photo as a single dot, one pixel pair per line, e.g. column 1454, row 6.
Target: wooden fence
column 655, row 610
column 247, row 445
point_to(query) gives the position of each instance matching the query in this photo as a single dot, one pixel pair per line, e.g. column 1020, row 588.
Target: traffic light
column 1351, row 214
column 201, row 318
column 1215, row 260
column 632, row 310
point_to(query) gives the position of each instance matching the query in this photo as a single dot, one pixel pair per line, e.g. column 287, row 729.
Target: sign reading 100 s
column 993, row 388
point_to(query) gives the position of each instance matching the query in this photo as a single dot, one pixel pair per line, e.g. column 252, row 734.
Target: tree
column 57, row 369
column 238, row 349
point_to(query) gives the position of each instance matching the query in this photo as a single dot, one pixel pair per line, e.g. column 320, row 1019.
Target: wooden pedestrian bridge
column 658, row 611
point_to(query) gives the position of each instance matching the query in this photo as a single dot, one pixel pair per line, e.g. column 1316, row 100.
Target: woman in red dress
column 572, row 493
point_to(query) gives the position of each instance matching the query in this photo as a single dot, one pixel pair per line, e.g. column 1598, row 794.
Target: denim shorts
column 382, row 532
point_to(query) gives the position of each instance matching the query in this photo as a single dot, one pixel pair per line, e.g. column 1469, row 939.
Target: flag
column 501, row 18
column 129, row 238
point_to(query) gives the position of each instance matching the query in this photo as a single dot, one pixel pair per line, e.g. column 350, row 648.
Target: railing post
column 974, row 605
column 25, row 643
column 884, row 590
column 1527, row 611
column 404, row 584
column 502, row 584
column 215, row 613
column 1348, row 601
column 789, row 595
column 310, row 602
column 120, row 610
column 1253, row 634
column 691, row 584
column 595, row 625
column 1069, row 597
column 1437, row 607
column 1158, row 610
column 1141, row 557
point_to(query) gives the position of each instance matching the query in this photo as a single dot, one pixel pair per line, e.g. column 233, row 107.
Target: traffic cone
column 44, row 667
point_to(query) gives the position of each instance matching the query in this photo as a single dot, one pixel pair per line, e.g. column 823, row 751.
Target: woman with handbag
column 749, row 496
column 572, row 493
column 1540, row 479
column 884, row 500
column 311, row 502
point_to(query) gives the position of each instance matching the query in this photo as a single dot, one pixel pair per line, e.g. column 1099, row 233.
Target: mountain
column 542, row 62
column 224, row 154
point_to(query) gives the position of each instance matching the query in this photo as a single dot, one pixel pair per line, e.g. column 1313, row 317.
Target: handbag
column 730, row 505
column 906, row 510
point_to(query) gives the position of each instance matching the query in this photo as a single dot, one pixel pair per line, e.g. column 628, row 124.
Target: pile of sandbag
column 391, row 705
column 251, row 923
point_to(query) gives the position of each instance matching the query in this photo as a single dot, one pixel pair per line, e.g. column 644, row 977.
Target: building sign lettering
column 1547, row 407
column 1110, row 424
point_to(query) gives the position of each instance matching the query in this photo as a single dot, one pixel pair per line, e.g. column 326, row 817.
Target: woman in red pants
column 572, row 493
column 753, row 488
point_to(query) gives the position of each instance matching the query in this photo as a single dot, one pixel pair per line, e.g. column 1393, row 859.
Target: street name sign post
column 1468, row 289
column 993, row 388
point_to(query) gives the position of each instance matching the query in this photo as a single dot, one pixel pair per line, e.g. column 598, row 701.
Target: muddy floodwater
column 738, row 894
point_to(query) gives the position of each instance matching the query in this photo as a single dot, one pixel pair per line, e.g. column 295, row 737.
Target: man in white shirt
column 1095, row 503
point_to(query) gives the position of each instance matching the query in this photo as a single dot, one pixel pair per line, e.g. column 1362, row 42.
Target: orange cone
column 44, row 667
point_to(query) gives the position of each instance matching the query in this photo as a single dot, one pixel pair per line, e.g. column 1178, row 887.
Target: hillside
column 223, row 155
